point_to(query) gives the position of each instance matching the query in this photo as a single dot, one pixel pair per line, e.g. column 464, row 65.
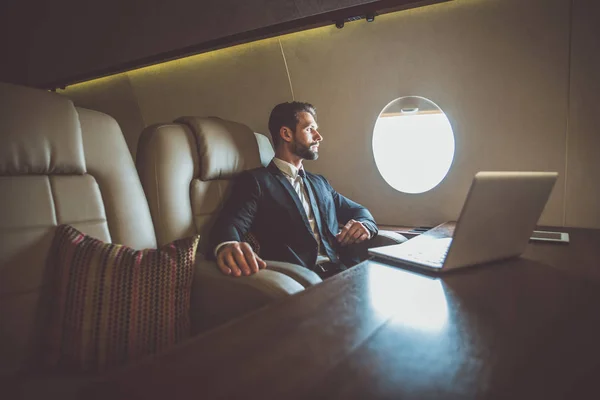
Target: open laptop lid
column 498, row 216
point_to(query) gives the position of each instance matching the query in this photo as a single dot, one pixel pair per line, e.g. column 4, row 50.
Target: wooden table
column 525, row 328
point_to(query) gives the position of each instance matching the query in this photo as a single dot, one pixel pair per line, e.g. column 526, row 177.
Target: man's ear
column 285, row 133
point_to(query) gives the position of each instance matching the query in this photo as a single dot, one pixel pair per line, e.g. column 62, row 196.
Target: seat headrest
column 39, row 133
column 265, row 148
column 225, row 148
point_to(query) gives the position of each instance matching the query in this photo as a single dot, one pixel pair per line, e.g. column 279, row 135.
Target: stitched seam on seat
column 15, row 229
column 85, row 170
column 52, row 197
column 158, row 210
column 87, row 221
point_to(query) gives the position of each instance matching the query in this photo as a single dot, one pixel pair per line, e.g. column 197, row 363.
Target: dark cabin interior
column 131, row 121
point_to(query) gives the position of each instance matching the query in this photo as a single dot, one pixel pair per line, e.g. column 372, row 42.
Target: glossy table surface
column 524, row 328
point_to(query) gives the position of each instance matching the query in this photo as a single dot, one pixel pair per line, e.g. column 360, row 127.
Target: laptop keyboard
column 430, row 251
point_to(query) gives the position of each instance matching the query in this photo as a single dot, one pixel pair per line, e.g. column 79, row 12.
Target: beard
column 304, row 151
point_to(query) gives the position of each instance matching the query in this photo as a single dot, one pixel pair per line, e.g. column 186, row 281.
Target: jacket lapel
column 281, row 178
column 318, row 199
column 316, row 205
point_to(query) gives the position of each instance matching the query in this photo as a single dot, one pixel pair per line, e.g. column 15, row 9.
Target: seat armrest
column 305, row 277
column 217, row 298
column 386, row 238
column 383, row 238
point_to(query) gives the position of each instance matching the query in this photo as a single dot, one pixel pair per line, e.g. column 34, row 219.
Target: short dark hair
column 286, row 114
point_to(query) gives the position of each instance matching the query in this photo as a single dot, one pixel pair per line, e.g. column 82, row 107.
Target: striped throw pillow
column 115, row 304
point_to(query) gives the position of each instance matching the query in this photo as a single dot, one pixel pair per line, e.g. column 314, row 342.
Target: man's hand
column 239, row 259
column 353, row 232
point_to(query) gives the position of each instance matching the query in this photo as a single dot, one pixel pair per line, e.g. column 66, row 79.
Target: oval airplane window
column 413, row 144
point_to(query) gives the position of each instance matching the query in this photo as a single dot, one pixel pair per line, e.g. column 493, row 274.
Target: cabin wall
column 583, row 147
column 512, row 77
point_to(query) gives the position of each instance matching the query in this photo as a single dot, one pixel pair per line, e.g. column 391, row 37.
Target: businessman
column 295, row 216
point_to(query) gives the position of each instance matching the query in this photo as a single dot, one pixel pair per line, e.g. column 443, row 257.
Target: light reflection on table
column 412, row 300
column 424, row 345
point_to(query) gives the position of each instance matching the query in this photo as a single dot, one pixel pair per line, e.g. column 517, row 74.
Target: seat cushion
column 58, row 165
column 115, row 304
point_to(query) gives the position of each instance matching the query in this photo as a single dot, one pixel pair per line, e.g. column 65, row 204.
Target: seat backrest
column 58, row 165
column 186, row 168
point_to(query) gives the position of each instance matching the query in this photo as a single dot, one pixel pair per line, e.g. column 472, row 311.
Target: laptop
column 497, row 219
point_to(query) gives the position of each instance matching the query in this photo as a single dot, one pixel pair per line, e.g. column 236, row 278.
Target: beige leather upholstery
column 61, row 164
column 109, row 161
column 42, row 135
column 167, row 164
column 185, row 169
column 58, row 164
column 225, row 148
column 265, row 148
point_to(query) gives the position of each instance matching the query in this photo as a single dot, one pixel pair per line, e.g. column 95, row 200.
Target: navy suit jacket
column 263, row 201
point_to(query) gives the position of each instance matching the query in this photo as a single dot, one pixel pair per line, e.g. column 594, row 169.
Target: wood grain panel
column 521, row 328
column 485, row 350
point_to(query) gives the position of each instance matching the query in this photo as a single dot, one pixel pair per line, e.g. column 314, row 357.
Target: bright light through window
column 413, row 144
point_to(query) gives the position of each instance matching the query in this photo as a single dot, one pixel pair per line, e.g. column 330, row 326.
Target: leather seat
column 186, row 168
column 58, row 165
column 61, row 164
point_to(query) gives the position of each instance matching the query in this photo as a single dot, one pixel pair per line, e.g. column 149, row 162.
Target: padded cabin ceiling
column 51, row 44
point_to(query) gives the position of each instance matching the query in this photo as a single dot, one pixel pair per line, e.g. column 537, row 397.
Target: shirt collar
column 287, row 168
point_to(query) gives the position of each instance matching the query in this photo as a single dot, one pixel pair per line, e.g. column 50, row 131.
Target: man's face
column 305, row 141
